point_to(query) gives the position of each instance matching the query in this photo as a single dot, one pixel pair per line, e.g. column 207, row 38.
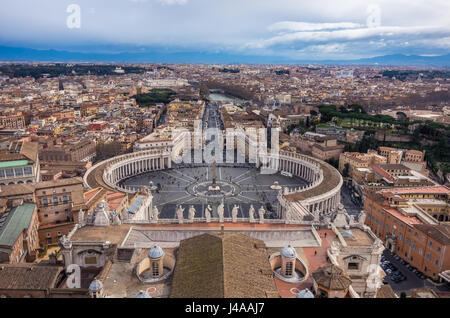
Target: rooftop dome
column 306, row 293
column 155, row 252
column 95, row 285
column 288, row 252
column 142, row 294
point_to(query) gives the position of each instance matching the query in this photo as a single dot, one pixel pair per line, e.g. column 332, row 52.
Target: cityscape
column 228, row 174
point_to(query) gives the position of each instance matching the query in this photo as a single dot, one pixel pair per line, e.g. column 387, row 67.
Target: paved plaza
column 188, row 186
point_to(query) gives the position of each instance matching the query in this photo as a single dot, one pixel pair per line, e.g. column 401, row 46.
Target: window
column 407, row 242
column 413, row 246
column 90, row 260
column 28, row 171
column 155, row 269
column 431, row 244
column 416, row 234
column 428, row 256
column 55, row 200
column 437, row 262
column 353, row 266
column 289, row 266
column 420, row 252
column 44, row 201
column 2, row 173
column 400, row 237
column 9, row 173
column 18, row 171
column 439, row 249
column 64, row 198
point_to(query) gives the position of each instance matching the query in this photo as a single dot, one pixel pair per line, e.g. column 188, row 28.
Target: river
column 218, row 97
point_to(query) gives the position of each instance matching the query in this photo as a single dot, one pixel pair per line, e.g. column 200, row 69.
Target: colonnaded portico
column 309, row 190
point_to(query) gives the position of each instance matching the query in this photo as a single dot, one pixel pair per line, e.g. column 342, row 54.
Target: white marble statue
column 180, row 211
column 155, row 216
column 251, row 213
column 341, row 219
column 362, row 217
column 220, row 211
column 261, row 213
column 191, row 213
column 234, row 213
column 208, row 214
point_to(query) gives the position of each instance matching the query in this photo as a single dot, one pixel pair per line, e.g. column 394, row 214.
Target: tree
column 108, row 150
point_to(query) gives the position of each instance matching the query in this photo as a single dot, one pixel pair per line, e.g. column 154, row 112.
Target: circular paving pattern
column 243, row 186
column 204, row 190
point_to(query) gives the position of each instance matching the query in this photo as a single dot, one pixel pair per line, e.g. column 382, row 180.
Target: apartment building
column 58, row 204
column 402, row 220
column 19, row 234
column 19, row 164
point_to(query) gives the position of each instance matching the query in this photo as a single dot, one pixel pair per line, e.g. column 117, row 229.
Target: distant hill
column 13, row 54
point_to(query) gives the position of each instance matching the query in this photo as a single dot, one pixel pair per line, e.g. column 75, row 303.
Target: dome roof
column 306, row 293
column 155, row 252
column 95, row 285
column 142, row 294
column 288, row 252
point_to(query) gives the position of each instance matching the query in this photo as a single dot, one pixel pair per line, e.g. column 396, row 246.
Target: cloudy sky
column 298, row 29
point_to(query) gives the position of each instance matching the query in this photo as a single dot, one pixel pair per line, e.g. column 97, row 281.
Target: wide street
column 412, row 280
column 352, row 206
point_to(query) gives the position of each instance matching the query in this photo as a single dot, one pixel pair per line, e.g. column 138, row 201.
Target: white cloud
column 351, row 35
column 172, row 2
column 305, row 26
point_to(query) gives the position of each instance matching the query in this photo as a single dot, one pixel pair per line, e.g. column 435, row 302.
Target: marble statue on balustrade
column 208, row 211
column 341, row 218
column 155, row 215
column 180, row 211
column 261, row 213
column 362, row 217
column 234, row 213
column 192, row 213
column 116, row 221
column 220, row 211
column 251, row 213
